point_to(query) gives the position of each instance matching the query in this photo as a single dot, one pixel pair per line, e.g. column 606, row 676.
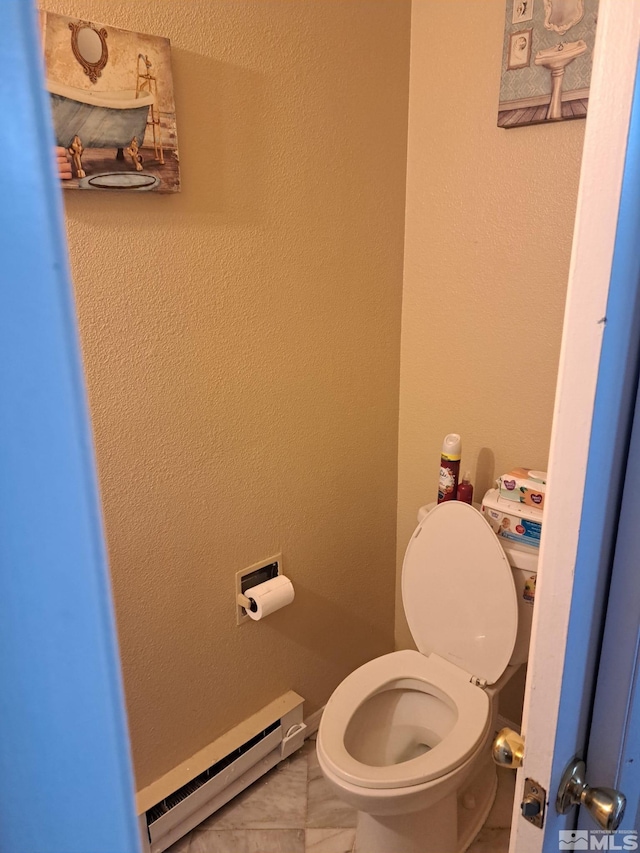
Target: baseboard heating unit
column 218, row 778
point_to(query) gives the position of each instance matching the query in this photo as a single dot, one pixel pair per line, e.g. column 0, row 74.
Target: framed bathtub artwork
column 547, row 55
column 112, row 106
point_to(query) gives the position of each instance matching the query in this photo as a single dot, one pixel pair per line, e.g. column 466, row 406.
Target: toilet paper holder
column 259, row 596
column 246, row 602
column 259, row 574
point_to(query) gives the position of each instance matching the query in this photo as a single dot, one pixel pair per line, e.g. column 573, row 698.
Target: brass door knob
column 508, row 749
column 605, row 805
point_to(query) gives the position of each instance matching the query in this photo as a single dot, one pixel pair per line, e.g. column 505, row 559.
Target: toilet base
column 431, row 830
column 449, row 826
column 475, row 801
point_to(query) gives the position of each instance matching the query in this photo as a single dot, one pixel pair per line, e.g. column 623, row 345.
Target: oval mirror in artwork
column 89, row 47
column 561, row 15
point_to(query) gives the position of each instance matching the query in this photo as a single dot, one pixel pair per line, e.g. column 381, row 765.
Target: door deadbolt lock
column 605, row 805
column 508, row 749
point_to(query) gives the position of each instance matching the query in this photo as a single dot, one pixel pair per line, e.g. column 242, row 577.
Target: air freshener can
column 449, row 467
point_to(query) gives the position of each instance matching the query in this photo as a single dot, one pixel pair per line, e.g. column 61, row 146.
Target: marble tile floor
column 292, row 810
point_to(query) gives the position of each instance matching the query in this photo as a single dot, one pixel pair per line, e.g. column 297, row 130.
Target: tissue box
column 524, row 486
column 515, row 522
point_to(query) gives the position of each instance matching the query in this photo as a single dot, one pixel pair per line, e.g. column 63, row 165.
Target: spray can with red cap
column 449, row 467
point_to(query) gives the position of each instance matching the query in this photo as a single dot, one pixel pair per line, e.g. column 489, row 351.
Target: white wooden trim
column 178, row 776
column 312, row 722
column 615, row 60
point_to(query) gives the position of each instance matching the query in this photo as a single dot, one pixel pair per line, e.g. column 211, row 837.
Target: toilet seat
column 458, row 592
column 408, row 670
column 461, row 606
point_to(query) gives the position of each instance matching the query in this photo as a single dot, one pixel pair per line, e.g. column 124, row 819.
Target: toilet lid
column 458, row 591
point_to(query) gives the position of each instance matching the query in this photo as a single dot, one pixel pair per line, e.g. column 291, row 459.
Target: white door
column 592, row 421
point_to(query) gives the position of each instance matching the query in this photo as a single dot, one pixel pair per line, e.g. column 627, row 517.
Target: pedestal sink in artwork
column 556, row 60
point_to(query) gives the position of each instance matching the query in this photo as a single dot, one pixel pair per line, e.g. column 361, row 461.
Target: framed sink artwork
column 112, row 105
column 546, row 61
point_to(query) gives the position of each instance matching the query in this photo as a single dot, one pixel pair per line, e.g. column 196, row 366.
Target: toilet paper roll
column 269, row 596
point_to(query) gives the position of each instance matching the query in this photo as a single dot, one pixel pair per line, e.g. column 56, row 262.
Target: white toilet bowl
column 405, row 738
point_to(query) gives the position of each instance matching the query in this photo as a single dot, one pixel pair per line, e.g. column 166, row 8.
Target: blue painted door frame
column 66, row 782
column 607, row 463
column 613, row 752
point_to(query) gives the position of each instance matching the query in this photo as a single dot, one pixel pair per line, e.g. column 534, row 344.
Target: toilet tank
column 524, row 565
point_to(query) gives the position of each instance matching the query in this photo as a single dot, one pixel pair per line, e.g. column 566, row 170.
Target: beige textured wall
column 489, row 221
column 241, row 343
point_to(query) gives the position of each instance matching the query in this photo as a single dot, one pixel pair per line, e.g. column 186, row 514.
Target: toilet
column 405, row 739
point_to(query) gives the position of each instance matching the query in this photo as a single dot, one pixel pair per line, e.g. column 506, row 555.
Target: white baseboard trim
column 177, row 812
column 312, row 722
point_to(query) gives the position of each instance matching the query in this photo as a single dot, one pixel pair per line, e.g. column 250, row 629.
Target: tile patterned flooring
column 291, row 810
